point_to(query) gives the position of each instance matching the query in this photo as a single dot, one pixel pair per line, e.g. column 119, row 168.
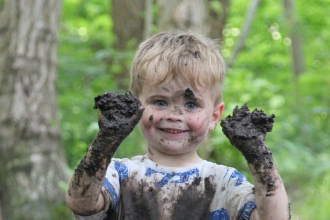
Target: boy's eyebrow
column 166, row 89
column 155, row 96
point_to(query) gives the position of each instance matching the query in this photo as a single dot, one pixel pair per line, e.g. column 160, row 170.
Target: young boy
column 178, row 80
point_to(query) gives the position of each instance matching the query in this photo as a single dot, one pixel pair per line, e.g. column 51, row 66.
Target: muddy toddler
column 176, row 83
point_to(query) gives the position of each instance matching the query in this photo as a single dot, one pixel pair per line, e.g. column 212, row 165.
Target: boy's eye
column 160, row 103
column 191, row 105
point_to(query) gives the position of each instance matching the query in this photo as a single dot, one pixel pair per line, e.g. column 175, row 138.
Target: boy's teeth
column 173, row 131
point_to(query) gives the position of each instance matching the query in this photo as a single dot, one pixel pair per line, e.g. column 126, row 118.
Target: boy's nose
column 177, row 110
column 175, row 114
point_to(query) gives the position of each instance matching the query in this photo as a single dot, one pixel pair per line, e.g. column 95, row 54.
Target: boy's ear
column 218, row 110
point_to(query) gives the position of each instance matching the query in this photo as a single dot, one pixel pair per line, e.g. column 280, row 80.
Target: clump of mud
column 114, row 104
column 246, row 130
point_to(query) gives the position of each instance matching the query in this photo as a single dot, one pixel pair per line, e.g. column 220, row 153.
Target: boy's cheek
column 147, row 119
column 199, row 125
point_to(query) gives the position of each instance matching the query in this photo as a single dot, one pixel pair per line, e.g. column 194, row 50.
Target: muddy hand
column 118, row 113
column 246, row 131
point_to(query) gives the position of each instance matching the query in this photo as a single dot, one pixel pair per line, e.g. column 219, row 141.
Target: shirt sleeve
column 239, row 195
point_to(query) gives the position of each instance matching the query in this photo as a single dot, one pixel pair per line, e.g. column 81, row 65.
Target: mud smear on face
column 192, row 139
column 144, row 201
column 177, row 110
column 246, row 131
column 189, row 94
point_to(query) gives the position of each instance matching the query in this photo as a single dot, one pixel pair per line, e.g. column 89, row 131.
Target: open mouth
column 173, row 131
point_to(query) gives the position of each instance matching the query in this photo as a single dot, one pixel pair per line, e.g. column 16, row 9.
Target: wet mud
column 144, row 201
column 118, row 115
column 247, row 131
column 118, row 109
column 189, row 94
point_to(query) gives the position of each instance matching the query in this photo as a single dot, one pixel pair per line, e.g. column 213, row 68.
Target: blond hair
column 167, row 55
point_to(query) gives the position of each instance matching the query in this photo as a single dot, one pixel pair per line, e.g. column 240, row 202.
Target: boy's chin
column 173, row 150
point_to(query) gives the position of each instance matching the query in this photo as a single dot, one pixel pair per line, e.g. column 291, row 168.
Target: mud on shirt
column 141, row 189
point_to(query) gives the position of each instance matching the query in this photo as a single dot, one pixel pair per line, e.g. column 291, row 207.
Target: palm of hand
column 118, row 113
column 246, row 130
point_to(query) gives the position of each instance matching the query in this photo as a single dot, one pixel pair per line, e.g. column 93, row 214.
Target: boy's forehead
column 175, row 89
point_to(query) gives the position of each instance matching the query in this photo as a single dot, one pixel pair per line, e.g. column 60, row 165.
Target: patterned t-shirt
column 142, row 189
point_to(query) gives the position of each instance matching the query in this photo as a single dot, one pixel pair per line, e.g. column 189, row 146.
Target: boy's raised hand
column 247, row 130
column 118, row 115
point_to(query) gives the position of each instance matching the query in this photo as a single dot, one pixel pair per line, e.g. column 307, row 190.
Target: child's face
column 176, row 117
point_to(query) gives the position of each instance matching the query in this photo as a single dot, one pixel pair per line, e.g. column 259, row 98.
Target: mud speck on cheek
column 161, row 142
column 192, row 139
column 151, row 118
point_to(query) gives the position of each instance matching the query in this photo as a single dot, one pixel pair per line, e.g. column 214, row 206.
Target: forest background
column 279, row 61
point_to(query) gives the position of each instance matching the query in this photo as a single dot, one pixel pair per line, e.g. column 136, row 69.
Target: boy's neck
column 181, row 160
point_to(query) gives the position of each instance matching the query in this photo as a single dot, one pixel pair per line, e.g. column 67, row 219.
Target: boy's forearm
column 272, row 205
column 118, row 115
column 270, row 195
column 84, row 192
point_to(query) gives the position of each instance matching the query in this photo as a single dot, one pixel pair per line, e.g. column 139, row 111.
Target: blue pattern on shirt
column 111, row 191
column 245, row 212
column 183, row 177
column 122, row 170
column 219, row 214
column 237, row 175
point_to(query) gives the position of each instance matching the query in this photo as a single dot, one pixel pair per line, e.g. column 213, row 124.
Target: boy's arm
column 246, row 131
column 117, row 116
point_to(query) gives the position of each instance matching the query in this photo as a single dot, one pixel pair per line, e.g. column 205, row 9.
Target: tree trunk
column 128, row 26
column 181, row 15
column 148, row 18
column 216, row 19
column 293, row 30
column 32, row 162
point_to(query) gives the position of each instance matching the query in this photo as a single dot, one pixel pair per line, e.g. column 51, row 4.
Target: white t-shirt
column 142, row 189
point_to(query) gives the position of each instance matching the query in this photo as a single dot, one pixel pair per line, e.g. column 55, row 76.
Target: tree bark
column 32, row 162
column 293, row 30
column 216, row 20
column 128, row 24
column 181, row 15
column 148, row 18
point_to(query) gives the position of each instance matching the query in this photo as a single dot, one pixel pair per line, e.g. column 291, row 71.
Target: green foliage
column 60, row 211
column 260, row 76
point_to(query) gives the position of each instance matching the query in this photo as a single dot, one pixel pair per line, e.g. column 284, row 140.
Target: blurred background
column 55, row 57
